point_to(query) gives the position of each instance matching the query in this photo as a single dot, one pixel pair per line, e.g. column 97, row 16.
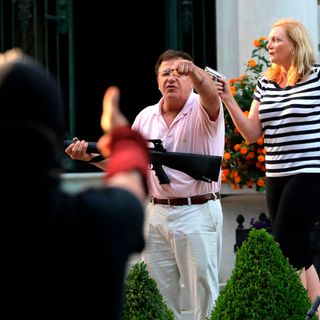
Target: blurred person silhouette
column 64, row 255
column 286, row 110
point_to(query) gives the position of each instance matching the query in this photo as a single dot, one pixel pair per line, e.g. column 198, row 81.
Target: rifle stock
column 198, row 166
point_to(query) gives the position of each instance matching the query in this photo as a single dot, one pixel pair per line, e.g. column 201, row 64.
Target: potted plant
column 263, row 221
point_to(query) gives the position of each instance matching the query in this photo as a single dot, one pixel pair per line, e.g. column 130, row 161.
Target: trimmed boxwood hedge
column 263, row 285
column 142, row 298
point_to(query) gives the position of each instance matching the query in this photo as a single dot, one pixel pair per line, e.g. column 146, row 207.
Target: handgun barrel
column 213, row 73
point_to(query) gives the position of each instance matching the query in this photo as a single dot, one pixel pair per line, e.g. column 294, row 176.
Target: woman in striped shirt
column 286, row 110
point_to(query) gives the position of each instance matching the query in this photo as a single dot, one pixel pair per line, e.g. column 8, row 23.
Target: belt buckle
column 169, row 204
column 215, row 197
column 152, row 199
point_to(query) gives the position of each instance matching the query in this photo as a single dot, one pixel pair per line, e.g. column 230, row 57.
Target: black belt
column 186, row 201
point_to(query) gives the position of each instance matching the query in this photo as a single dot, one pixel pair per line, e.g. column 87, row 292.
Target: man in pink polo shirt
column 184, row 234
column 183, row 226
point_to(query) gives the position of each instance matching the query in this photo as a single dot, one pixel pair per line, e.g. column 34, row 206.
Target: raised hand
column 111, row 117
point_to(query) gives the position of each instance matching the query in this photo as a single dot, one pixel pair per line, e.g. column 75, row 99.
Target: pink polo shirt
column 192, row 132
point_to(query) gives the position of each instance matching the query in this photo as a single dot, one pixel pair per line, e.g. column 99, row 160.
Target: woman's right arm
column 249, row 126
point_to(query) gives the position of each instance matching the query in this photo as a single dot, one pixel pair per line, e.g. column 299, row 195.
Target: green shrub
column 263, row 285
column 142, row 298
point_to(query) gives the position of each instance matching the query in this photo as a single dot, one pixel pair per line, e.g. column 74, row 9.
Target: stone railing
column 75, row 182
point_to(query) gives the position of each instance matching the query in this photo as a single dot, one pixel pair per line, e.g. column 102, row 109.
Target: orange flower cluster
column 243, row 163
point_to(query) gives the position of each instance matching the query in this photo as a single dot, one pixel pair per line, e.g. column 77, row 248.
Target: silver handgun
column 215, row 75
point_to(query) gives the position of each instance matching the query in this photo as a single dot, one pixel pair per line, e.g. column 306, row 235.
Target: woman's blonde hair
column 303, row 56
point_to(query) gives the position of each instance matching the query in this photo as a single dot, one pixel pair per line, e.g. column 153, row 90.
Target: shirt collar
column 187, row 106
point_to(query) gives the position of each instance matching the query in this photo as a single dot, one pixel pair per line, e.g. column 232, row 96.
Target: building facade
column 90, row 46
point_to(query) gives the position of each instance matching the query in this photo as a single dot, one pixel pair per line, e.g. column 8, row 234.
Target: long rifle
column 198, row 166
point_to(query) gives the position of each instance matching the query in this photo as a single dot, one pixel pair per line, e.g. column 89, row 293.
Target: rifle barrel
column 198, row 166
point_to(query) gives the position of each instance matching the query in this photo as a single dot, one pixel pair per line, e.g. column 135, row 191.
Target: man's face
column 171, row 84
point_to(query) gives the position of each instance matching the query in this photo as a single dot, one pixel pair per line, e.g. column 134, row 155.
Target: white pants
column 183, row 246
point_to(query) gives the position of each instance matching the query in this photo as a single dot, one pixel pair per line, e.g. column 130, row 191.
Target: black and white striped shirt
column 290, row 119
